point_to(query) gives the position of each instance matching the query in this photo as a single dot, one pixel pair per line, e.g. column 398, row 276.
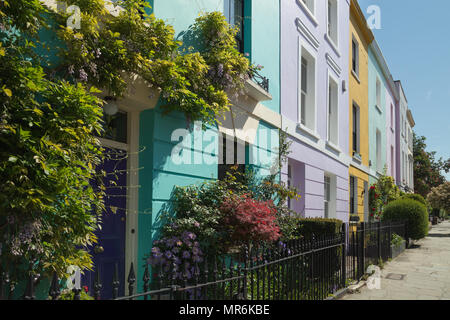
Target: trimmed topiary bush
column 413, row 212
column 307, row 227
column 415, row 196
column 295, row 228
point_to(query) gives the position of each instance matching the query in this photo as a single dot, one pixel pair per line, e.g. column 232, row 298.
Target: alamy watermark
column 210, row 147
column 374, row 17
column 374, row 280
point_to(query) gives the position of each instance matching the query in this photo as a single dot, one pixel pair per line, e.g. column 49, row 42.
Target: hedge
column 309, row 227
column 409, row 210
column 415, row 196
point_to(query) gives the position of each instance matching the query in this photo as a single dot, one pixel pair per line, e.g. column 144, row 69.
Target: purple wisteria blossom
column 83, row 75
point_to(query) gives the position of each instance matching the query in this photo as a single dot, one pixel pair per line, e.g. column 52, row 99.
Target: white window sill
column 357, row 158
column 378, row 109
column 331, row 145
column 308, row 131
column 333, row 45
column 255, row 91
column 356, row 76
column 308, row 13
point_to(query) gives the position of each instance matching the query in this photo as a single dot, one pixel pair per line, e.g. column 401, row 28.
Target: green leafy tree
column 48, row 209
column 439, row 197
column 49, row 113
column 427, row 169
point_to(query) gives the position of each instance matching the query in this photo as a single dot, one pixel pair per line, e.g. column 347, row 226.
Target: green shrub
column 396, row 239
column 415, row 196
column 293, row 227
column 307, row 227
column 411, row 211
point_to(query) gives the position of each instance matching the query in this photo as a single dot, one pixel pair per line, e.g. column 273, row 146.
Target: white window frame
column 392, row 117
column 378, row 94
column 335, row 43
column 392, row 160
column 331, row 77
column 378, row 149
column 310, row 9
column 327, row 195
column 229, row 11
column 354, row 210
column 331, row 202
column 355, row 72
column 309, row 126
column 358, row 132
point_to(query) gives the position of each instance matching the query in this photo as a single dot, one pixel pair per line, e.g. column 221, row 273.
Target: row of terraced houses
column 325, row 81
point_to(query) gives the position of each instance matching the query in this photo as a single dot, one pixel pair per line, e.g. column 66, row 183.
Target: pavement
column 420, row 273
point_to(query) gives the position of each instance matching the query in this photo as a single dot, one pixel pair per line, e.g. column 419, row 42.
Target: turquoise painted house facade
column 168, row 151
column 377, row 115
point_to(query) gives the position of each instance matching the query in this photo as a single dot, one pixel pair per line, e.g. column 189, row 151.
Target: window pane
column 354, row 56
column 352, row 195
column 304, row 78
column 239, row 21
column 115, row 127
column 303, row 109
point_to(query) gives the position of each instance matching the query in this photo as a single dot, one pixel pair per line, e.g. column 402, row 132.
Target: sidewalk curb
column 356, row 287
column 348, row 290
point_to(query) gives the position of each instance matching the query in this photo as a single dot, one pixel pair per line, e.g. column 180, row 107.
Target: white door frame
column 132, row 206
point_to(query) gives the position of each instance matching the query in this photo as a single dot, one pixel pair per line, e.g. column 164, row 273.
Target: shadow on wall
column 167, row 174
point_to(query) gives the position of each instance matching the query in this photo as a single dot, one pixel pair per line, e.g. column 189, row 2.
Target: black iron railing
column 368, row 244
column 263, row 82
column 298, row 270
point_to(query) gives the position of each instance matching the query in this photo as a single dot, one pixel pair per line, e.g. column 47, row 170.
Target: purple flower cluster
column 83, row 75
column 27, row 239
column 177, row 254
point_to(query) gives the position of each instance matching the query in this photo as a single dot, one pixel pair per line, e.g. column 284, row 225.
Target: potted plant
column 398, row 245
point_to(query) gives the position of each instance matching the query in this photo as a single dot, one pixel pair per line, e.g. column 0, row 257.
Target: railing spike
column 131, row 280
column 146, row 280
column 115, row 282
column 29, row 291
column 54, row 287
column 97, row 285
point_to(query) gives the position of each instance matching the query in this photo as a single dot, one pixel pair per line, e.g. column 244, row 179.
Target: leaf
column 12, row 159
column 8, row 92
column 94, row 90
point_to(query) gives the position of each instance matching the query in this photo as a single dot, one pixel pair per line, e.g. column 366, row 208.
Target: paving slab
column 426, row 267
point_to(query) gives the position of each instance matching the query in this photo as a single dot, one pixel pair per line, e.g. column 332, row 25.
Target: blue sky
column 415, row 40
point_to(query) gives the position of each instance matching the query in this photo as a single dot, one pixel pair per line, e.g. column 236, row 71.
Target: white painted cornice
column 309, row 36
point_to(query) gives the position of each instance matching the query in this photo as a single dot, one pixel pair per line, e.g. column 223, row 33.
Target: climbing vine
column 195, row 79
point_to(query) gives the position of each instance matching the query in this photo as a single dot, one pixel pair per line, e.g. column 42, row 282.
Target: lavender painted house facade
column 314, row 104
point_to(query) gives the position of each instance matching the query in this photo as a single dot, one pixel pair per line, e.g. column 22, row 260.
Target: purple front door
column 109, row 252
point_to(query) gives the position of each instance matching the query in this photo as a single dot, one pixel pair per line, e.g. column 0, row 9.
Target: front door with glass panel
column 109, row 253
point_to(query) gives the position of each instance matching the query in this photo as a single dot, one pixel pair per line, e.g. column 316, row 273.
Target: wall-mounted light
column 110, row 108
column 344, row 86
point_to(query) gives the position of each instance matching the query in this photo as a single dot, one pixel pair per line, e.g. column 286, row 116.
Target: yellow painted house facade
column 360, row 39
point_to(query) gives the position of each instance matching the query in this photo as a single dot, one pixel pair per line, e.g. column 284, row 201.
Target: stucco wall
column 159, row 173
column 390, row 134
column 359, row 93
column 311, row 161
column 377, row 117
